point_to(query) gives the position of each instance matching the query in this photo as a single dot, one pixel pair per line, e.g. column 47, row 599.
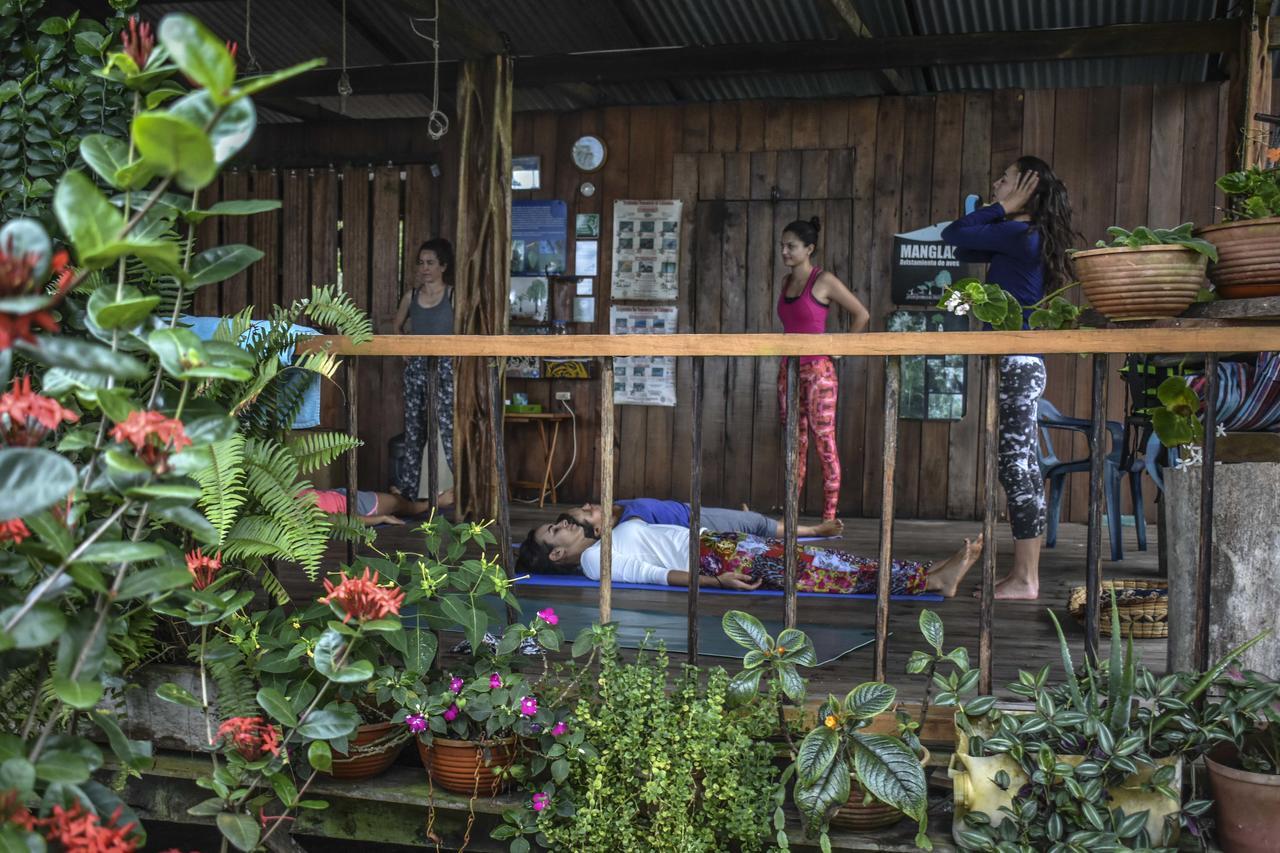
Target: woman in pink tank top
column 807, row 294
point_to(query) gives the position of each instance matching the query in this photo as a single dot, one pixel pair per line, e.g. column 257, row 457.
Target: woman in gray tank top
column 426, row 309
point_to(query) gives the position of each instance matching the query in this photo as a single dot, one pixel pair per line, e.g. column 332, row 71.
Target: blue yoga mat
column 583, row 581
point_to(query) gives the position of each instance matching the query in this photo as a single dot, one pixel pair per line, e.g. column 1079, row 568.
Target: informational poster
column 646, row 250
column 923, row 266
column 539, row 235
column 932, row 387
column 644, row 380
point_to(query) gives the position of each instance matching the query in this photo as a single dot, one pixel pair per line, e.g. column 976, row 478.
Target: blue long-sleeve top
column 1009, row 246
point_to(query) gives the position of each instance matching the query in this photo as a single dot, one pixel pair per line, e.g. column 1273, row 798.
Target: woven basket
column 1143, row 608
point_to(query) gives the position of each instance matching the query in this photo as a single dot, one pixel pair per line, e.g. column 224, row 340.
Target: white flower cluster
column 1194, row 458
column 956, row 304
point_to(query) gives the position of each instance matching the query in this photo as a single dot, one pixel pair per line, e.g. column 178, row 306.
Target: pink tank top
column 804, row 314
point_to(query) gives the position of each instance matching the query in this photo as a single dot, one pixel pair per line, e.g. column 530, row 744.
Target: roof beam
column 681, row 62
column 297, row 108
column 844, row 20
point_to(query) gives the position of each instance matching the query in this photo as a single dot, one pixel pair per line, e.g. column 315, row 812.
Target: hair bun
column 816, row 223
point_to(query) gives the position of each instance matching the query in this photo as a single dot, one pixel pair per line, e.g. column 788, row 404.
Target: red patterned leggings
column 818, row 388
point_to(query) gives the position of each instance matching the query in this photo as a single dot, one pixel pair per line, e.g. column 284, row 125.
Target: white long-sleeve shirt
column 642, row 553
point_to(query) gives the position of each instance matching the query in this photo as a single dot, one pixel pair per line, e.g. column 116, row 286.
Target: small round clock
column 589, row 153
column 588, row 189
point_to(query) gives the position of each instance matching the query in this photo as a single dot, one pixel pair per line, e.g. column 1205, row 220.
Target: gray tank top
column 436, row 320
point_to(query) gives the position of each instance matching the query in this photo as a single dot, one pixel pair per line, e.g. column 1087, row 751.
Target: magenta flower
column 540, row 801
column 450, row 713
column 416, row 723
column 455, row 684
column 528, row 706
column 495, row 681
column 549, row 616
column 559, row 729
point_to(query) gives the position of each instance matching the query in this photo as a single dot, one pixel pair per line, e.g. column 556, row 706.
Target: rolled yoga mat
column 578, row 580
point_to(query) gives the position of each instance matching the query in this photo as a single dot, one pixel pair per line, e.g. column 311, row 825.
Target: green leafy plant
column 1250, row 703
column 1254, row 193
column 1003, row 312
column 1144, row 236
column 1176, row 420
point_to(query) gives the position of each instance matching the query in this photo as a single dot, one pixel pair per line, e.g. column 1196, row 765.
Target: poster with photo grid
column 646, row 250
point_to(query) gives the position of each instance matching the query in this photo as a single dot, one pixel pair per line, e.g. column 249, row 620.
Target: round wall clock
column 589, row 153
column 588, row 189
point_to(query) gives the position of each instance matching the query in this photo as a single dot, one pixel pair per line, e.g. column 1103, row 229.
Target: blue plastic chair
column 1055, row 470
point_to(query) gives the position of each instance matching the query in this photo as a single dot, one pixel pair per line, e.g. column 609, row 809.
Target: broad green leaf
column 796, row 647
column 239, row 829
column 207, row 808
column 744, row 686
column 329, row 723
column 328, row 650
column 155, row 581
column 221, row 263
column 746, row 630
column 229, row 130
column 129, row 310
column 178, row 349
column 89, row 220
column 243, row 207
column 52, row 531
column 40, row 626
column 816, row 752
column 177, row 694
column 931, row 628
column 33, row 479
column 171, row 145
column 117, row 403
column 319, row 756
column 274, row 703
column 191, row 519
column 17, row 774
column 257, row 84
column 473, row 620
column 869, row 698
column 82, row 355
column 106, row 155
column 62, row 766
column 81, row 693
column 135, row 754
column 165, row 492
column 200, row 54
column 122, row 552
column 816, row 800
column 891, row 772
column 791, row 682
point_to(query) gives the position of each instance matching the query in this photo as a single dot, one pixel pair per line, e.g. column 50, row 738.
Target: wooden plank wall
column 870, row 168
column 358, row 224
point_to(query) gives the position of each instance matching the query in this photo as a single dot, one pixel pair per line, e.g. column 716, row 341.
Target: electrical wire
column 573, row 458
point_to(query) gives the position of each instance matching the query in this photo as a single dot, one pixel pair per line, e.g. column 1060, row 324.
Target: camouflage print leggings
column 415, row 419
column 1022, row 380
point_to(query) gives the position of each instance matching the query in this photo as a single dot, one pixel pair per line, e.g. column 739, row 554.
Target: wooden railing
column 889, row 345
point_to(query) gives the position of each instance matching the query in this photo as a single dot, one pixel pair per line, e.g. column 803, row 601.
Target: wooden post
column 433, row 432
column 606, row 489
column 990, row 439
column 791, row 516
column 352, row 370
column 892, row 371
column 1249, row 91
column 1093, row 545
column 500, row 509
column 695, row 511
column 1204, row 566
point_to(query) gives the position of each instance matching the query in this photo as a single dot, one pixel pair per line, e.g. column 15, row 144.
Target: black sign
column 923, row 266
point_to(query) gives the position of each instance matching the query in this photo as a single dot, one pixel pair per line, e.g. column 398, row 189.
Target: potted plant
column 1244, row 774
column 1248, row 263
column 1145, row 273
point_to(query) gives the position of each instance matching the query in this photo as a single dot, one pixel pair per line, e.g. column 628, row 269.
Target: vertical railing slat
column 892, row 372
column 1204, row 564
column 606, row 489
column 695, row 510
column 351, row 367
column 1093, row 543
column 792, row 492
column 500, row 474
column 433, row 434
column 990, row 438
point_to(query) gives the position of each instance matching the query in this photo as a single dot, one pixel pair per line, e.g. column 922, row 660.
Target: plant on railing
column 1001, row 309
column 1254, row 193
column 103, row 532
column 1144, row 236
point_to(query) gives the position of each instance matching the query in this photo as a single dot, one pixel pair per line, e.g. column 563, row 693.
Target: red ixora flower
column 203, row 568
column 252, row 737
column 14, row 530
column 138, row 41
column 153, row 436
column 17, row 279
column 82, row 831
column 362, row 597
column 13, row 811
column 30, row 416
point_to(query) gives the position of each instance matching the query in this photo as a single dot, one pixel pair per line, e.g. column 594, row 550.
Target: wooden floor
column 1024, row 635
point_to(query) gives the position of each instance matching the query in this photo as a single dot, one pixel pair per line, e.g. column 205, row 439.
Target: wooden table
column 540, row 419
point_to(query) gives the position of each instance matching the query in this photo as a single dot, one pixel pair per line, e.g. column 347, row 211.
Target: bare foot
column 394, row 490
column 828, row 527
column 1017, row 590
column 946, row 577
column 745, row 508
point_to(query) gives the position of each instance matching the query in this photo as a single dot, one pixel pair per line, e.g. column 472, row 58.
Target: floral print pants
column 1022, row 380
column 415, row 419
column 817, row 569
column 817, row 395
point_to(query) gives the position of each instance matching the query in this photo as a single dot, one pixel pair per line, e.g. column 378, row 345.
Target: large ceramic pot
column 1145, row 283
column 373, row 749
column 468, row 767
column 1248, row 257
column 857, row 816
column 1247, row 804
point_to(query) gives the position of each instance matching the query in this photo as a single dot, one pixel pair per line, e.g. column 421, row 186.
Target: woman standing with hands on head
column 807, row 294
column 1024, row 235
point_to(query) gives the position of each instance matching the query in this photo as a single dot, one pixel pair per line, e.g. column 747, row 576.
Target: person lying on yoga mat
column 372, row 507
column 656, row 511
column 659, row 554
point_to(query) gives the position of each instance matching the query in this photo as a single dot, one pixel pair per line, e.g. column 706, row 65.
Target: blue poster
column 539, row 235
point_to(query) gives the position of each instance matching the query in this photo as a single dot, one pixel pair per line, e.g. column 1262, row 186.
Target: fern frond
column 278, row 404
column 269, row 582
column 255, row 536
column 272, row 479
column 323, row 363
column 341, row 529
column 237, row 694
column 314, row 450
column 222, row 484
column 334, row 309
column 233, row 328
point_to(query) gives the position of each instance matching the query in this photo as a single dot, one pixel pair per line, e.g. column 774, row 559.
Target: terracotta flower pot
column 1143, row 283
column 468, row 767
column 1248, row 257
column 854, row 815
column 1247, row 804
column 373, row 750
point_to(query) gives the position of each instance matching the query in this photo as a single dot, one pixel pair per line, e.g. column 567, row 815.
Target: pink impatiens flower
column 540, row 801
column 495, row 681
column 549, row 616
column 528, row 706
column 416, row 723
column 455, row 684
column 559, row 729
column 450, row 713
